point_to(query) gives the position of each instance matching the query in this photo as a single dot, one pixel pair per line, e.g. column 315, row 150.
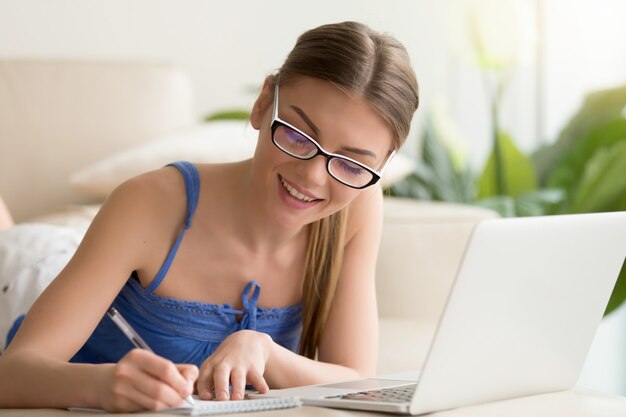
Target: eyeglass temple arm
column 391, row 155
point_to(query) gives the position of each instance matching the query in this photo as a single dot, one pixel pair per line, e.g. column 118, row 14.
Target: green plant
column 588, row 158
column 231, row 114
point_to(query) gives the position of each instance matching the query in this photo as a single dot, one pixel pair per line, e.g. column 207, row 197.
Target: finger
column 221, row 379
column 132, row 399
column 160, row 391
column 190, row 373
column 205, row 383
column 163, row 370
column 156, row 377
column 258, row 382
column 238, row 383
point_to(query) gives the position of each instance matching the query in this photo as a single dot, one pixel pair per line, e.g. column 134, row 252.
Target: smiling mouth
column 295, row 193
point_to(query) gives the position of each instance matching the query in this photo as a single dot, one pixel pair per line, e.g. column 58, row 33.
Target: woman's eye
column 296, row 137
column 350, row 168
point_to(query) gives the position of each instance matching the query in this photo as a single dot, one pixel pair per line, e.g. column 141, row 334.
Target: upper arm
column 116, row 243
column 350, row 337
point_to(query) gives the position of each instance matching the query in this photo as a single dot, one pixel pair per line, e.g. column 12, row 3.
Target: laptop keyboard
column 400, row 394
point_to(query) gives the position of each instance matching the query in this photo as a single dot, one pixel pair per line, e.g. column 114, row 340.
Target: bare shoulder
column 142, row 211
column 155, row 195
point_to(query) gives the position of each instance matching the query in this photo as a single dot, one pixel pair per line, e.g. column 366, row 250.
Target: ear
column 263, row 103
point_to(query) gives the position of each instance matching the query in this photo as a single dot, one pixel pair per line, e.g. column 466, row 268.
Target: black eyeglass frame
column 277, row 122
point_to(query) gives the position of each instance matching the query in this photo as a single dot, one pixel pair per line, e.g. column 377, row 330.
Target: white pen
column 134, row 337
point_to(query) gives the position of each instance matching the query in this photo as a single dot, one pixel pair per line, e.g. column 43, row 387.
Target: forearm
column 6, row 220
column 32, row 380
column 286, row 369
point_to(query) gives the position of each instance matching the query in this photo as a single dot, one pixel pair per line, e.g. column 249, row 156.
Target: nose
column 313, row 171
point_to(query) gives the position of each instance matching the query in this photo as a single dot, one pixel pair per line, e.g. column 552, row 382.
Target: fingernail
column 222, row 394
column 237, row 396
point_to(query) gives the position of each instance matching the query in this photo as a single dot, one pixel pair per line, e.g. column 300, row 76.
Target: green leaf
column 502, row 204
column 234, row 114
column 621, row 205
column 603, row 185
column 568, row 173
column 413, row 186
column 619, row 292
column 435, row 176
column 598, row 108
column 539, row 203
column 534, row 203
column 446, row 183
column 519, row 174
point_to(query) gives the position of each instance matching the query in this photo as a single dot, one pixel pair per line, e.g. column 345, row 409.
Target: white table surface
column 574, row 403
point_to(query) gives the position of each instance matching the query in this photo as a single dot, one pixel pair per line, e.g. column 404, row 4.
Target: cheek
column 265, row 153
column 342, row 195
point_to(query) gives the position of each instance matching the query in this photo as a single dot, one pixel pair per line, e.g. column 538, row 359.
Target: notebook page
column 204, row 408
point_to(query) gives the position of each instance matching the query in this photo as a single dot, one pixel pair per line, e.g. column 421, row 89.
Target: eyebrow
column 359, row 151
column 315, row 130
column 306, row 119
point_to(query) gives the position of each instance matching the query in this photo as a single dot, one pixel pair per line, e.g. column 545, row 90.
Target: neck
column 251, row 221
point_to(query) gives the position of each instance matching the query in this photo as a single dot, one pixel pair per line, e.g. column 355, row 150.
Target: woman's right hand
column 142, row 380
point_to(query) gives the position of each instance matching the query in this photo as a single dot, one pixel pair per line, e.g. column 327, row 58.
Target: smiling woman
column 183, row 252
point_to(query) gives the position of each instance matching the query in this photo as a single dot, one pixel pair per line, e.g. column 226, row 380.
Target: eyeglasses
column 298, row 144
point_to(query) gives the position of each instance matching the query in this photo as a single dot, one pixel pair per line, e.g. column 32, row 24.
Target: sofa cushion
column 421, row 247
column 59, row 115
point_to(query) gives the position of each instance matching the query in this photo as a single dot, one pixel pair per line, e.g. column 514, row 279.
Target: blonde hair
column 376, row 67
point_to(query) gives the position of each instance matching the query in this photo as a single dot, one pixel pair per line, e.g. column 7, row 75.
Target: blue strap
column 192, row 189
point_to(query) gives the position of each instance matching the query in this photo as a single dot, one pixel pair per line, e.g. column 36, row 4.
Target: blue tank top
column 183, row 331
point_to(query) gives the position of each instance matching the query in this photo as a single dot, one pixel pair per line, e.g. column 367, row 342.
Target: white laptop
column 521, row 316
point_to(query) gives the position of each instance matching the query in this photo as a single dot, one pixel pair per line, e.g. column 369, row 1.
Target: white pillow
column 214, row 142
column 31, row 256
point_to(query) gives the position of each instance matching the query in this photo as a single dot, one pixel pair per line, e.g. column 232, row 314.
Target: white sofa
column 59, row 116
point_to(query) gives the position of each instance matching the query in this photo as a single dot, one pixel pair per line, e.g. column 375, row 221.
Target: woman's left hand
column 239, row 360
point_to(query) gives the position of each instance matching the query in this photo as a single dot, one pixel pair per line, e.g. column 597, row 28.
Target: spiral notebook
column 205, row 408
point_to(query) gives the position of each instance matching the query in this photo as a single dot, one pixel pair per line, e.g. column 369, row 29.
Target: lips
column 297, row 194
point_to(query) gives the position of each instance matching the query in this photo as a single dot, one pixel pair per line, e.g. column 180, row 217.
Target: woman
column 301, row 220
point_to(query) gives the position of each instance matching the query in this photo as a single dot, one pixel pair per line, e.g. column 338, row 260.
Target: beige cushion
column 421, row 248
column 58, row 116
column 224, row 141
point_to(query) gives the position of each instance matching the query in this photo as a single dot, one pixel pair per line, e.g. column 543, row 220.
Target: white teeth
column 295, row 192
